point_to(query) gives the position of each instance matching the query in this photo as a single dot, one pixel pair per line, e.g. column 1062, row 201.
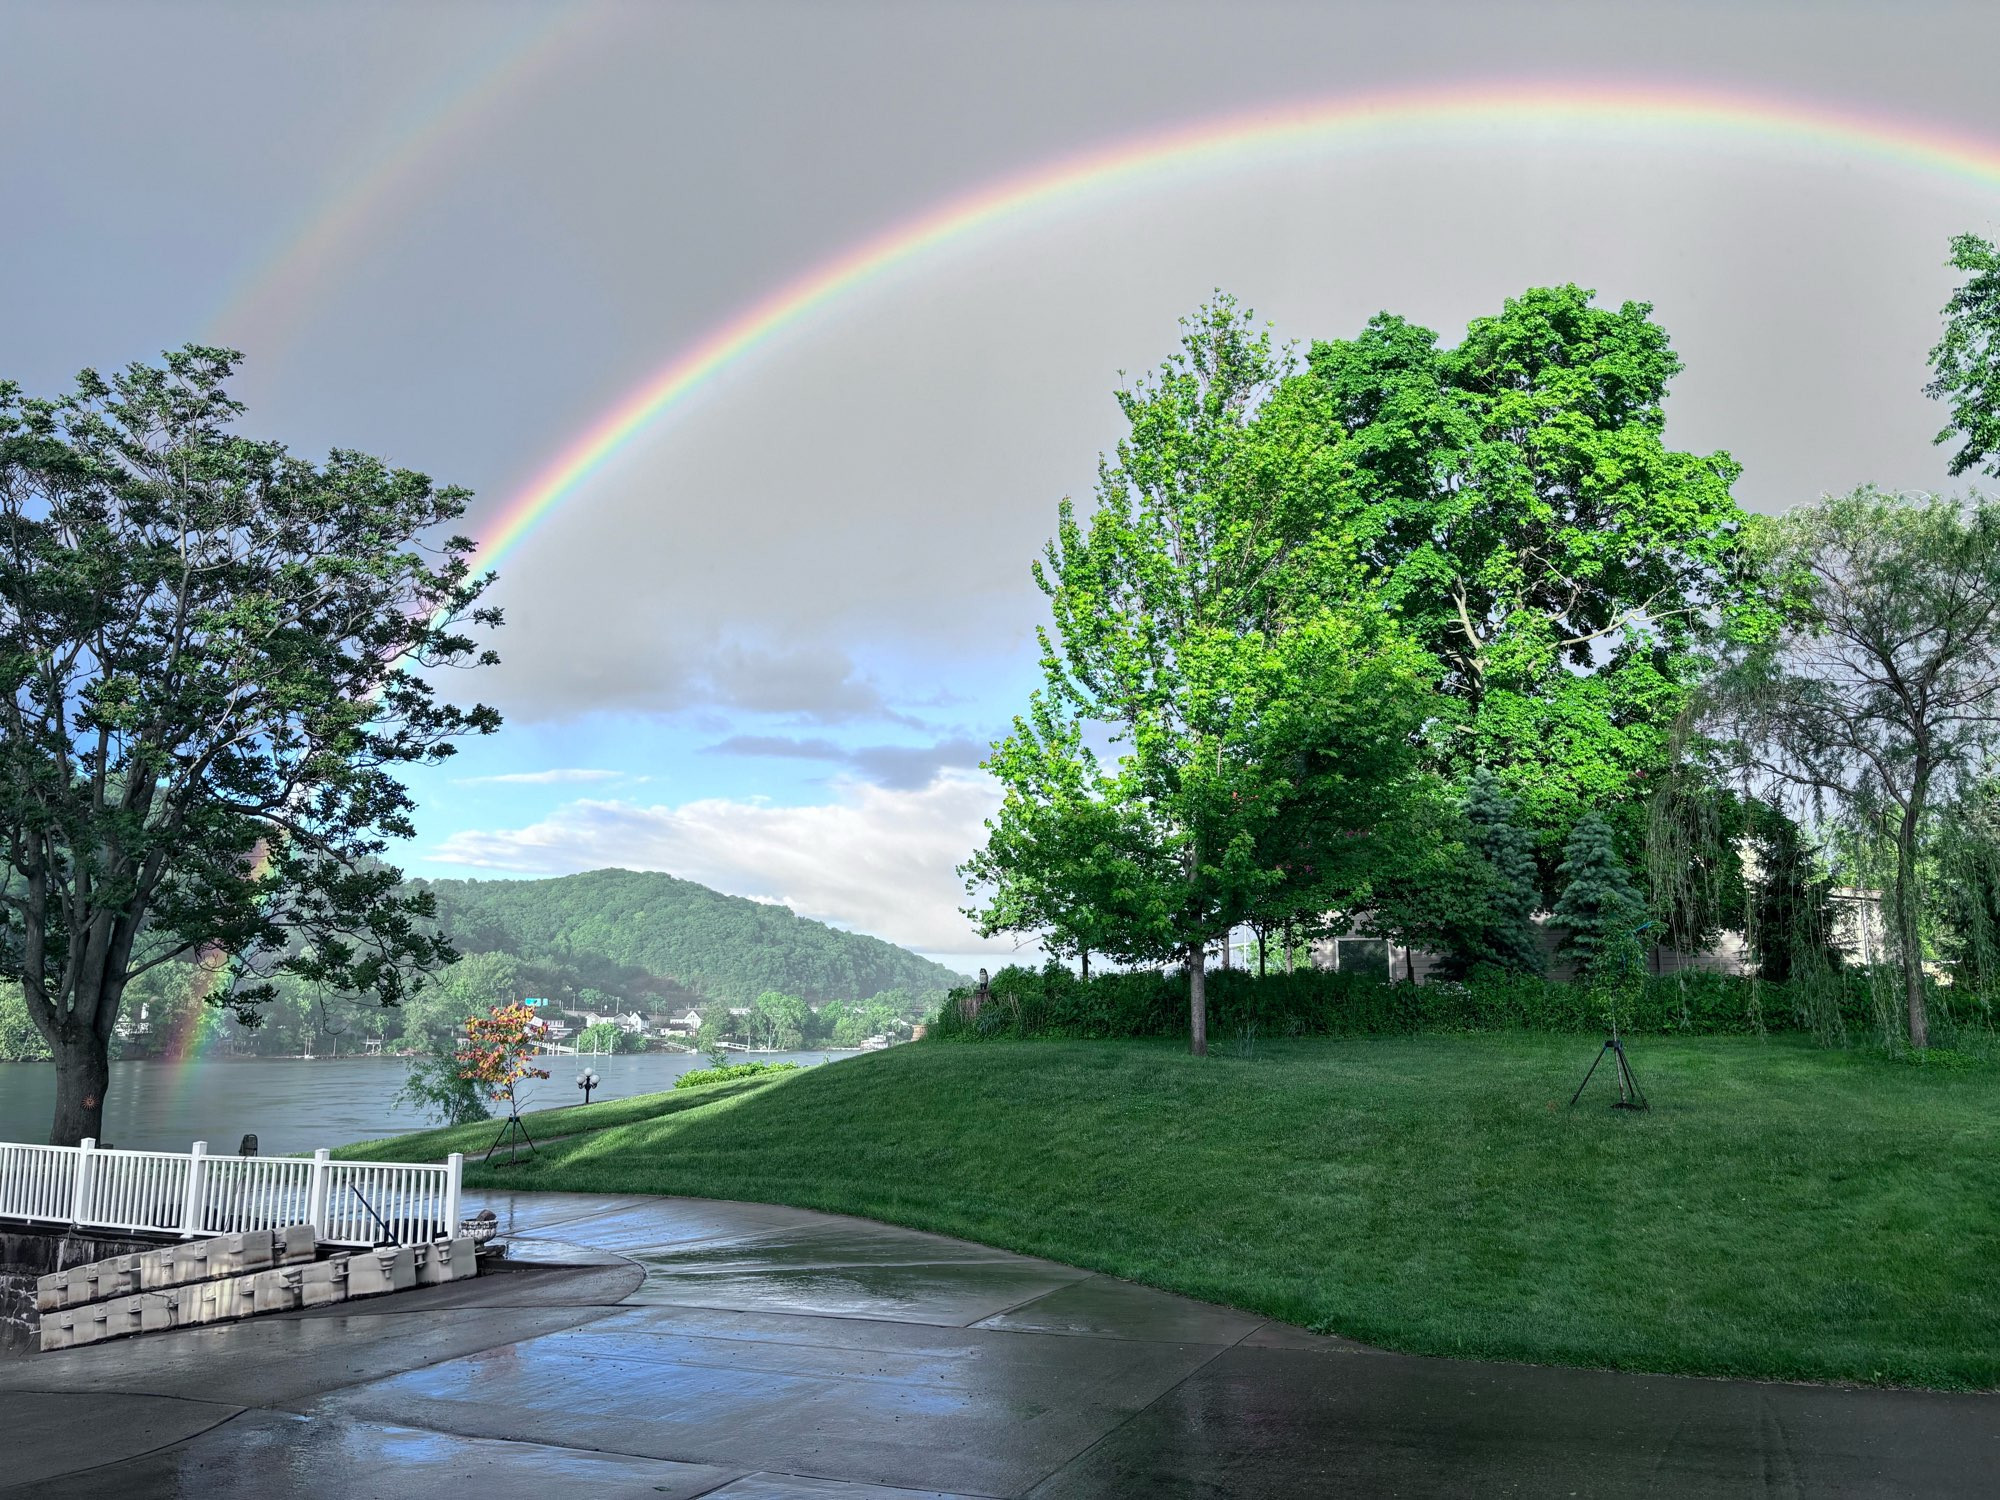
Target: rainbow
column 1359, row 122
column 190, row 1031
column 211, row 969
column 265, row 306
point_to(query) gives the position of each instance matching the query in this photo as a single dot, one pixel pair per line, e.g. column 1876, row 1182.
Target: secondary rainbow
column 1359, row 122
column 264, row 307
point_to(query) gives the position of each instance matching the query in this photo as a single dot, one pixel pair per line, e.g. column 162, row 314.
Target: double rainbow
column 1210, row 146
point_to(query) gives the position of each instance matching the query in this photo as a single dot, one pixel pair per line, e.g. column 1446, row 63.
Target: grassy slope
column 1782, row 1212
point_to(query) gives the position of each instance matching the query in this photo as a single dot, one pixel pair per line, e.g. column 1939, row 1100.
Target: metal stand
column 513, row 1135
column 1629, row 1096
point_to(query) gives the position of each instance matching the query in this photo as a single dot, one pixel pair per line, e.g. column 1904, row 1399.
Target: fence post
column 80, row 1195
column 316, row 1195
column 197, row 1191
column 454, row 1170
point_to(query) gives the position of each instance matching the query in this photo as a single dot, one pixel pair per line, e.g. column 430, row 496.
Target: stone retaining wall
column 229, row 1277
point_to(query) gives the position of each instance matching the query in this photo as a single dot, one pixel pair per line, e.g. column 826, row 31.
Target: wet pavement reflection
column 680, row 1347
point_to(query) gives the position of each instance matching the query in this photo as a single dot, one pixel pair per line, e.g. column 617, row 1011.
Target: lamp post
column 586, row 1080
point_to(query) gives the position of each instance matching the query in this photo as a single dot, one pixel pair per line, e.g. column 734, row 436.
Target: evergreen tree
column 1792, row 922
column 1599, row 904
column 1507, row 937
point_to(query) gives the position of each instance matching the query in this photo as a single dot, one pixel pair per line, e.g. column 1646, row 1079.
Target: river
column 294, row 1105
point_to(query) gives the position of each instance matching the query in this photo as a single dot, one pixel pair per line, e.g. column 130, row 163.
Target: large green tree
column 1517, row 495
column 214, row 656
column 1196, row 632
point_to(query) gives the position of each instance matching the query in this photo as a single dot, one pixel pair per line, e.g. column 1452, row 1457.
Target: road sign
column 534, row 1000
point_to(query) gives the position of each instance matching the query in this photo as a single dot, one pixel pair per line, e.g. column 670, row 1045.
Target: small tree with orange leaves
column 497, row 1052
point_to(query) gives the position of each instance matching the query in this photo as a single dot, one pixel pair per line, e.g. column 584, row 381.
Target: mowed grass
column 1782, row 1212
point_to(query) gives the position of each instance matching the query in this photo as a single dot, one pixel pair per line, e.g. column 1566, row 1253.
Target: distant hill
column 691, row 938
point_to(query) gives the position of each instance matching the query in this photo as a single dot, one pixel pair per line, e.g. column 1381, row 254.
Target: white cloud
column 879, row 860
column 542, row 778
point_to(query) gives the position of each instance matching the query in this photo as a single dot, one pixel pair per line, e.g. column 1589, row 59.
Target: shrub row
column 694, row 1078
column 1053, row 1002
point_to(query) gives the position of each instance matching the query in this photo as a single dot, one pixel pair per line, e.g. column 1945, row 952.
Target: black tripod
column 513, row 1135
column 1629, row 1096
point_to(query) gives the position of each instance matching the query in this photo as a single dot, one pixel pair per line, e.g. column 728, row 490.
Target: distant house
column 682, row 1025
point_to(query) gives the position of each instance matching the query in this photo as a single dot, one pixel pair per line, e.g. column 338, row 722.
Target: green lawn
column 1783, row 1211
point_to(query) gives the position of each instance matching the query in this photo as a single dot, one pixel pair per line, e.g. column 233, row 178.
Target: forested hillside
column 611, row 940
column 718, row 947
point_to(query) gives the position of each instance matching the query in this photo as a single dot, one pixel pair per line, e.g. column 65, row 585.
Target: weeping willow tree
column 1967, row 910
column 1878, row 687
column 1728, row 850
column 1693, row 862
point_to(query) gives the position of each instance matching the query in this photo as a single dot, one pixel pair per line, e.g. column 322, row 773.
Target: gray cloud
column 869, row 484
column 899, row 767
column 653, row 664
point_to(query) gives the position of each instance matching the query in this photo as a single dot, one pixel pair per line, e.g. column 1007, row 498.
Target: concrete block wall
column 247, row 1274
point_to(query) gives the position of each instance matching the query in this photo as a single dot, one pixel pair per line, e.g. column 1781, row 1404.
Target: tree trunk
column 1197, row 967
column 1909, row 931
column 1085, row 952
column 1260, row 952
column 83, row 1072
column 1288, row 945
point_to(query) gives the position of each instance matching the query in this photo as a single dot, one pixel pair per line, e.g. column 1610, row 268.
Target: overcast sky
column 766, row 646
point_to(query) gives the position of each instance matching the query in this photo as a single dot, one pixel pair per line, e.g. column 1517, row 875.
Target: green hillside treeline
column 720, row 947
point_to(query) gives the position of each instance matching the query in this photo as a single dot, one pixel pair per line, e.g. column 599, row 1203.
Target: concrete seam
column 113, row 1463
column 1028, row 1302
column 1117, row 1427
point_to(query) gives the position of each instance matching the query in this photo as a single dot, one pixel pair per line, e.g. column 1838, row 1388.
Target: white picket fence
column 191, row 1193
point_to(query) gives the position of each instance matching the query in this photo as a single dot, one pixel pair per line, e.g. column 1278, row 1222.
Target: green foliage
column 1965, row 364
column 1536, row 534
column 1599, row 905
column 439, row 1085
column 778, row 1021
column 214, row 657
column 1791, row 925
column 630, row 933
column 697, row 1078
column 1265, row 711
column 1294, row 579
column 19, row 1041
column 1506, row 938
column 1054, row 1003
column 851, row 1025
column 609, row 1036
column 472, row 986
column 1879, row 692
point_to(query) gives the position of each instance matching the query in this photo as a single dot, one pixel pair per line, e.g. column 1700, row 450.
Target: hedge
column 1052, row 1002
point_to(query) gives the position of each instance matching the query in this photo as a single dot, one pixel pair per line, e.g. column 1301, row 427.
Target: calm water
column 295, row 1106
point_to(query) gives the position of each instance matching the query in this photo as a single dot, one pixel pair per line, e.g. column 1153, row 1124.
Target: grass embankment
column 1783, row 1211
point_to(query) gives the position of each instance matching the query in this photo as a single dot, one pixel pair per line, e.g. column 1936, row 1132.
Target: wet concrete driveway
column 679, row 1347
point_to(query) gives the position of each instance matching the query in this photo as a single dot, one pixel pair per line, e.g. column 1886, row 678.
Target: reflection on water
column 293, row 1105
